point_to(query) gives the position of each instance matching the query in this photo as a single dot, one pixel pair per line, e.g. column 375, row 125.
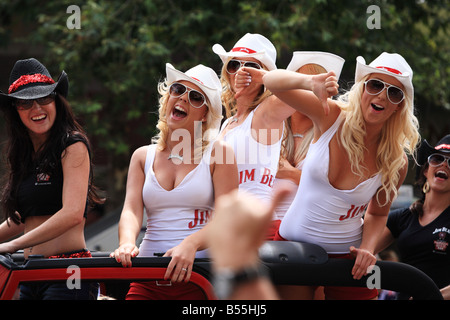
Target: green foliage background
column 117, row 57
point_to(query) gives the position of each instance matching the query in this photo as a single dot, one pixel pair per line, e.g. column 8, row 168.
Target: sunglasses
column 234, row 65
column 436, row 159
column 25, row 104
column 196, row 98
column 375, row 86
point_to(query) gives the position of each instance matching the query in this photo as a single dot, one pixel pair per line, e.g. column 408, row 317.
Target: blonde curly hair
column 399, row 135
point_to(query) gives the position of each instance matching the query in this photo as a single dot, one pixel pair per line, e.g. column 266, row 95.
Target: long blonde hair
column 228, row 100
column 399, row 135
column 210, row 127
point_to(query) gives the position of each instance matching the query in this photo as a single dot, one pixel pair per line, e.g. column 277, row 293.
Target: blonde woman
column 254, row 127
column 177, row 181
column 357, row 161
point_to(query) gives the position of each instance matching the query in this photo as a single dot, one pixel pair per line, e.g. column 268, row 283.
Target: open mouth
column 39, row 117
column 377, row 107
column 179, row 113
column 441, row 174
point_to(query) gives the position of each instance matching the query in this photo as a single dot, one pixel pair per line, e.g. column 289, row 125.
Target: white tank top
column 173, row 215
column 322, row 214
column 257, row 162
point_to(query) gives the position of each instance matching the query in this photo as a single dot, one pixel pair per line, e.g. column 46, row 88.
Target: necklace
column 175, row 156
column 234, row 119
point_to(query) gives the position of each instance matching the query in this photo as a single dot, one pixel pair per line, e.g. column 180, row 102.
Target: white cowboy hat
column 391, row 64
column 250, row 45
column 329, row 61
column 205, row 78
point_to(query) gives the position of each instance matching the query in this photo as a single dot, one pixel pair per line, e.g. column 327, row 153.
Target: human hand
column 287, row 171
column 325, row 86
column 180, row 266
column 364, row 260
column 248, row 80
column 7, row 247
column 239, row 226
column 124, row 253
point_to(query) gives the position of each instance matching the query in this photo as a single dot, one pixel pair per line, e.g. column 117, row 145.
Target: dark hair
column 417, row 206
column 20, row 155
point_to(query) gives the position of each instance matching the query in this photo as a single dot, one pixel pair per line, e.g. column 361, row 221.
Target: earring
column 426, row 187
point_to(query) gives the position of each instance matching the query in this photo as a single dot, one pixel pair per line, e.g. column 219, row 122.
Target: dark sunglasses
column 375, row 86
column 234, row 65
column 196, row 98
column 25, row 104
column 436, row 159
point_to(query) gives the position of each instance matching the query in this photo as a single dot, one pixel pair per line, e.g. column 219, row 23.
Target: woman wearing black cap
column 423, row 230
column 49, row 183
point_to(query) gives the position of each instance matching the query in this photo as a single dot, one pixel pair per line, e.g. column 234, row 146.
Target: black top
column 424, row 247
column 40, row 193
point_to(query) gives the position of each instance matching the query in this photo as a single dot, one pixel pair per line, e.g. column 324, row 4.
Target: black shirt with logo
column 424, row 247
column 40, row 193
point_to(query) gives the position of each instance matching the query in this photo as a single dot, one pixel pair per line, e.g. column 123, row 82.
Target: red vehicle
column 287, row 262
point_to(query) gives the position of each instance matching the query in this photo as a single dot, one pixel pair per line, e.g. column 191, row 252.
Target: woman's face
column 179, row 111
column 39, row 119
column 232, row 76
column 377, row 108
column 438, row 177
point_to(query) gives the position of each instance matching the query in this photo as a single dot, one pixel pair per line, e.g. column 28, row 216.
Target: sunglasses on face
column 196, row 98
column 234, row 65
column 25, row 104
column 436, row 159
column 375, row 86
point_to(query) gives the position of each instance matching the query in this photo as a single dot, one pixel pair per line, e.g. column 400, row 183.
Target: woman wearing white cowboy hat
column 50, row 179
column 177, row 186
column 256, row 127
column 422, row 231
column 357, row 161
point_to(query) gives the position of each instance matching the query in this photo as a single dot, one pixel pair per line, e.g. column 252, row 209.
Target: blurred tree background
column 115, row 60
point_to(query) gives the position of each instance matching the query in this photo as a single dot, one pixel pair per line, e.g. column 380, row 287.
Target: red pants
column 272, row 232
column 164, row 290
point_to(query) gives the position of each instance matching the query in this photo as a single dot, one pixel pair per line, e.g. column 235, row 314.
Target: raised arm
column 308, row 94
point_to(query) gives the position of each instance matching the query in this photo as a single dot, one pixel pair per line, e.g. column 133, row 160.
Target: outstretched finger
column 279, row 194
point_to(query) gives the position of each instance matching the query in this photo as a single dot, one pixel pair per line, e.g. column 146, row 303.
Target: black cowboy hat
column 30, row 79
column 425, row 149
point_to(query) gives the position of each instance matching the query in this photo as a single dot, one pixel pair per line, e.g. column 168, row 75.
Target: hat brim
column 328, row 61
column 362, row 70
column 425, row 150
column 39, row 90
column 260, row 56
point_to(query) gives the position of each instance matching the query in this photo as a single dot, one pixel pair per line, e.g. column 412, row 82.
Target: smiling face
column 179, row 111
column 378, row 108
column 39, row 119
column 438, row 177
